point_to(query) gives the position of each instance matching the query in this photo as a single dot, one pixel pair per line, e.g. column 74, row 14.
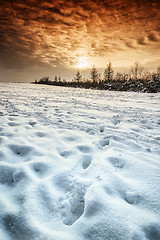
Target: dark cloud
column 57, row 32
column 154, row 37
column 55, row 10
column 143, row 41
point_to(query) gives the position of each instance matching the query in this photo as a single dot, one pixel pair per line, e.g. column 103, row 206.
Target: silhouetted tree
column 94, row 75
column 78, row 77
column 56, row 79
column 59, row 79
column 108, row 73
column 136, row 70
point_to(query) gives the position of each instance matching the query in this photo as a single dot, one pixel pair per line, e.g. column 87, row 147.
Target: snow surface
column 78, row 164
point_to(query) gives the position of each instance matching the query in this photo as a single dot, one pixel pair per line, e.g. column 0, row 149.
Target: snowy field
column 78, row 164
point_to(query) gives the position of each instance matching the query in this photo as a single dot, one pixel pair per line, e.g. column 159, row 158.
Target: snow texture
column 78, row 164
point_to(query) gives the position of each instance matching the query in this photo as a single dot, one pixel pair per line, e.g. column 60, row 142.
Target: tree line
column 138, row 79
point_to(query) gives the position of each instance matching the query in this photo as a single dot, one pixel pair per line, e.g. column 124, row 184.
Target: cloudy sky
column 47, row 38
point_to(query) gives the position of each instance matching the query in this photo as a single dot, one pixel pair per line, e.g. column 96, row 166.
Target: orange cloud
column 57, row 32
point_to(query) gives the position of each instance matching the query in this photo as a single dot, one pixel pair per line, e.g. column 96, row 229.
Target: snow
column 78, row 164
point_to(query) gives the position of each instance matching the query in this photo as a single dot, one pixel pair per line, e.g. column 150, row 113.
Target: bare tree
column 136, row 70
column 108, row 73
column 59, row 79
column 94, row 75
column 56, row 79
column 78, row 77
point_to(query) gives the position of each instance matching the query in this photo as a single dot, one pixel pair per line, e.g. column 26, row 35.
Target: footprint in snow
column 13, row 115
column 13, row 124
column 102, row 128
column 116, row 162
column 84, row 149
column 115, row 120
column 12, row 119
column 86, row 161
column 152, row 231
column 40, row 134
column 133, row 198
column 66, row 154
column 40, row 169
column 91, row 131
column 20, row 150
column 32, row 123
column 70, row 139
column 6, row 175
column 73, row 206
column 72, row 203
column 103, row 142
column 18, row 227
column 10, row 176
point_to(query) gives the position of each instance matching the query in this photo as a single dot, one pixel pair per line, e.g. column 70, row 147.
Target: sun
column 82, row 62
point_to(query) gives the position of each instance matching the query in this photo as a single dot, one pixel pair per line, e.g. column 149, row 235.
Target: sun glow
column 82, row 62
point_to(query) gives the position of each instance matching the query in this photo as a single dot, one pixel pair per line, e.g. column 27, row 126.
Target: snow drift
column 78, row 164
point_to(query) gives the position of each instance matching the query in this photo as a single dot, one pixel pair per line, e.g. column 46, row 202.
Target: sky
column 47, row 38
